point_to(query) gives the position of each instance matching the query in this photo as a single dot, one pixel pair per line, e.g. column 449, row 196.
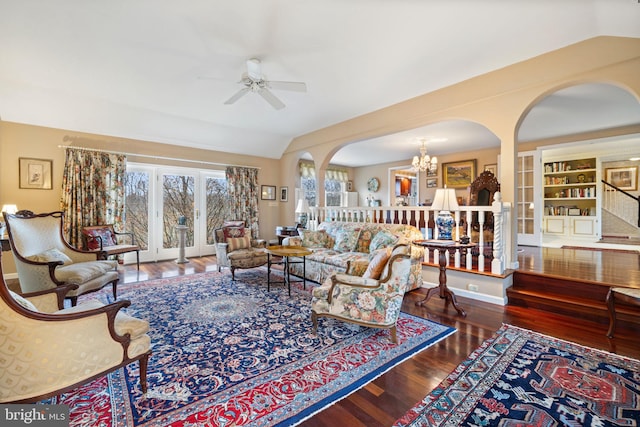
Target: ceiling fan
column 254, row 81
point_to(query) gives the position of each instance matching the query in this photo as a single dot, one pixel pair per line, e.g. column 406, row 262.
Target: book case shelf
column 570, row 198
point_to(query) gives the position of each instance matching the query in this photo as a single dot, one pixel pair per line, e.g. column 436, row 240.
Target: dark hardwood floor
column 388, row 397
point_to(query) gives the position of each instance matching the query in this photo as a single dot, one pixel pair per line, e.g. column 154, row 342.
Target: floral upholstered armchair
column 372, row 300
column 44, row 259
column 46, row 349
column 236, row 249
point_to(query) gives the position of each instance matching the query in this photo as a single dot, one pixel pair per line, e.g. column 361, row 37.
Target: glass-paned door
column 177, row 200
column 528, row 207
column 138, row 210
column 157, row 197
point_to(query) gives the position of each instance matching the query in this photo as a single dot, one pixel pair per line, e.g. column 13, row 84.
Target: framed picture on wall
column 624, row 178
column 35, row 173
column 432, row 182
column 284, row 194
column 459, row 174
column 268, row 192
column 492, row 167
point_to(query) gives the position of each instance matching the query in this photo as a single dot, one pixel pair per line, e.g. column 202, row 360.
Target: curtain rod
column 151, row 157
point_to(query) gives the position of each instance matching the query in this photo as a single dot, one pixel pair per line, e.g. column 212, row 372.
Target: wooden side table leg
column 430, row 293
column 287, row 274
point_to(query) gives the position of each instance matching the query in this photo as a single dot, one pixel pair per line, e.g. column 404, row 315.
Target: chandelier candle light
column 445, row 201
column 424, row 162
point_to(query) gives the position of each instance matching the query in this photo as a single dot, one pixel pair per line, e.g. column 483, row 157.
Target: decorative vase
column 445, row 223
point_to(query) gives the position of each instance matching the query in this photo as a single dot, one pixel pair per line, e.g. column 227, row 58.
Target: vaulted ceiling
column 161, row 70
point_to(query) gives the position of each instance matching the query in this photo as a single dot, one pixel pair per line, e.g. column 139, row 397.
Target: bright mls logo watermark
column 34, row 415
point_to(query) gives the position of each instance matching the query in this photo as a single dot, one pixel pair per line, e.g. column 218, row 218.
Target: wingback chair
column 46, row 350
column 373, row 299
column 236, row 249
column 45, row 260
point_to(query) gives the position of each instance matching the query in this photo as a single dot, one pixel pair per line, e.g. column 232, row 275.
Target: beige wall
column 18, row 140
column 387, row 189
column 499, row 100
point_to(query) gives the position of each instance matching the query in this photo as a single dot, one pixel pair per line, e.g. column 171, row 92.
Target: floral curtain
column 242, row 185
column 92, row 191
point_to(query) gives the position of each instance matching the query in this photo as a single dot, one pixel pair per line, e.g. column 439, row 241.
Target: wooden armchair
column 105, row 240
column 46, row 350
column 366, row 300
column 44, row 259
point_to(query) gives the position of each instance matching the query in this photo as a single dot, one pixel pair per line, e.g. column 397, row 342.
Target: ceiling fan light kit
column 254, row 81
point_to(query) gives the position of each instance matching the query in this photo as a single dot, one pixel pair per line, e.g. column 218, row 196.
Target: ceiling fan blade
column 253, row 69
column 292, row 86
column 271, row 99
column 242, row 92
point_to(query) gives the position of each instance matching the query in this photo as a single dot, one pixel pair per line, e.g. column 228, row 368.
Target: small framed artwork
column 492, row 167
column 624, row 178
column 432, row 182
column 459, row 174
column 268, row 192
column 35, row 173
column 432, row 172
column 284, row 194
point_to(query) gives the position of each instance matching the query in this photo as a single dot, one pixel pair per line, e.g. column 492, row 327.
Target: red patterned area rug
column 232, row 354
column 522, row 378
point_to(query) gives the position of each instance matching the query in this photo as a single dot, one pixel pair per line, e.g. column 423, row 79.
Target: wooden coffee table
column 286, row 252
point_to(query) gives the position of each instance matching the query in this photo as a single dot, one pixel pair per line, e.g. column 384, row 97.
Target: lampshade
column 303, row 206
column 445, row 200
column 10, row 209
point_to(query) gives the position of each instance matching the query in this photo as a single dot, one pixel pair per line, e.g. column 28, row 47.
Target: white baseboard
column 471, row 295
column 10, row 276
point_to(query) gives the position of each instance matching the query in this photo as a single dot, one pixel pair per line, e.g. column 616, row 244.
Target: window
column 335, row 185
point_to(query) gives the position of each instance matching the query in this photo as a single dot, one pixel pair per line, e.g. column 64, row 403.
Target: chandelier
column 424, row 162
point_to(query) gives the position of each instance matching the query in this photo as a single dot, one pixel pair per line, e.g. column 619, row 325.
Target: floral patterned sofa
column 338, row 245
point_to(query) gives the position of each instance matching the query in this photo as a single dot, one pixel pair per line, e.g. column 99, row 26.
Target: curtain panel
column 92, row 191
column 243, row 188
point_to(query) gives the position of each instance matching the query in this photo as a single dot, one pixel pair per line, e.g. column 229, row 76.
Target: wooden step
column 562, row 295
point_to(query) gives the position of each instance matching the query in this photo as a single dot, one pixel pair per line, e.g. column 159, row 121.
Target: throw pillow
column 237, row 223
column 94, row 236
column 236, row 243
column 232, row 232
column 346, row 240
column 377, row 264
column 25, row 303
column 314, row 239
column 381, row 240
column 50, row 255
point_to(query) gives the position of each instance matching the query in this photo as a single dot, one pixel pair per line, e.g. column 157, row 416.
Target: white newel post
column 497, row 264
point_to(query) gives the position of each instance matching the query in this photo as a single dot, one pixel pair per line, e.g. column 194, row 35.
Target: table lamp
column 301, row 210
column 10, row 209
column 445, row 201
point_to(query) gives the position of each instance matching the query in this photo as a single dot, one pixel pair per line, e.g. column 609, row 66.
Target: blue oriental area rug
column 232, row 354
column 521, row 378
